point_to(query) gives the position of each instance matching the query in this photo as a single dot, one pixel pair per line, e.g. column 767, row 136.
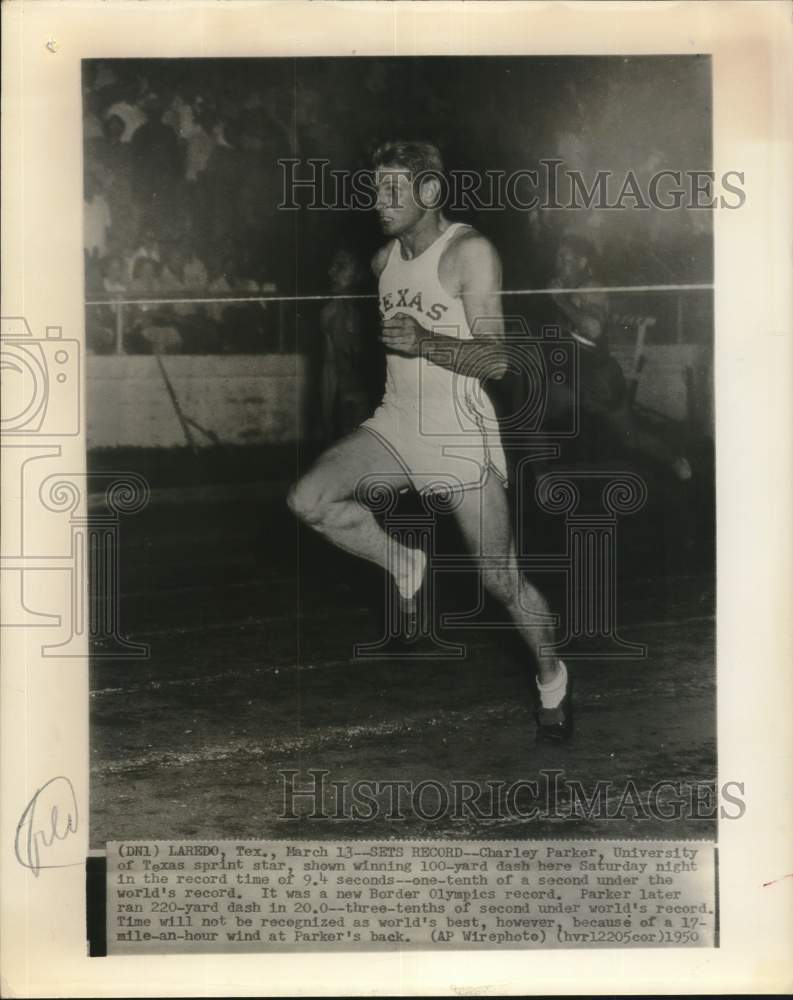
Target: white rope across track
column 111, row 299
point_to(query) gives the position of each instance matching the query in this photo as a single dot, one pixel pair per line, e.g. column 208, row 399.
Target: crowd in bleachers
column 176, row 205
column 182, row 182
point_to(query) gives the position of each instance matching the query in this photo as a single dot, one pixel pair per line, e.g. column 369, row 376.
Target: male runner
column 442, row 324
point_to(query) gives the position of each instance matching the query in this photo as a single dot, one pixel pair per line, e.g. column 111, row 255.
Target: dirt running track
column 251, row 625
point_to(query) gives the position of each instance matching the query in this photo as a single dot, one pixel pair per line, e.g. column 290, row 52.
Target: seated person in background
column 602, row 390
column 349, row 344
column 113, row 164
column 99, row 322
column 128, row 108
column 96, row 218
column 171, row 275
column 104, row 319
column 222, row 283
column 148, row 247
column 151, row 327
column 194, row 271
column 246, row 327
column 184, row 275
column 114, row 279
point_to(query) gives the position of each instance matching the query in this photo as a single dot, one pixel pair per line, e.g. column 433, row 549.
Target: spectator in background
column 113, row 164
column 243, row 327
column 171, row 279
column 222, row 283
column 93, row 273
column 114, row 280
column 156, row 168
column 349, row 345
column 128, row 109
column 194, row 271
column 101, row 321
column 92, row 122
column 152, row 325
column 239, row 326
column 179, row 115
column 172, row 273
column 223, row 211
column 199, row 332
column 146, row 282
column 102, row 75
column 196, row 138
column 97, row 219
column 148, row 247
column 602, row 398
column 199, row 142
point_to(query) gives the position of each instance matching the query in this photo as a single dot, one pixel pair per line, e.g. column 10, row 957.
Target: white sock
column 410, row 573
column 551, row 694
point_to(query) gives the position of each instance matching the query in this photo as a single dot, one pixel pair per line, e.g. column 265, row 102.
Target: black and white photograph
column 415, row 356
column 395, row 441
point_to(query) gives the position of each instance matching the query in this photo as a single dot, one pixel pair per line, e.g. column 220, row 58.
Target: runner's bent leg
column 483, row 517
column 324, row 499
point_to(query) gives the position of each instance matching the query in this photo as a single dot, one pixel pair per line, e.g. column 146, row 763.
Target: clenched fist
column 403, row 335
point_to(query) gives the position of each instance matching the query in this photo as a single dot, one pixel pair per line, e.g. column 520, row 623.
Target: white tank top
column 414, row 288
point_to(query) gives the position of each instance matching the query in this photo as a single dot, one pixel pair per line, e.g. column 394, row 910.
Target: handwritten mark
column 775, row 880
column 49, row 818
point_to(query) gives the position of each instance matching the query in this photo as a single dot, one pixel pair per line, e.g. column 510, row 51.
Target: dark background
column 486, row 113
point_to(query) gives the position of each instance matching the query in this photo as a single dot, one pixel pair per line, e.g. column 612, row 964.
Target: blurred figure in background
column 101, row 321
column 183, row 276
column 147, row 247
column 97, row 219
column 242, row 327
column 157, row 168
column 194, row 271
column 602, row 396
column 222, row 283
column 128, row 108
column 114, row 279
column 172, row 273
column 152, row 328
column 114, row 163
column 350, row 347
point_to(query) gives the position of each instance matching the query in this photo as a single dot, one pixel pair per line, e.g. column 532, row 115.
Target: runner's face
column 396, row 207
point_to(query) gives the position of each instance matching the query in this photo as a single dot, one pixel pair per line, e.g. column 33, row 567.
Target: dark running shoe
column 555, row 725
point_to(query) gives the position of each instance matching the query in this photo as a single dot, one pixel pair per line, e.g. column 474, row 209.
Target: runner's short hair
column 415, row 156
